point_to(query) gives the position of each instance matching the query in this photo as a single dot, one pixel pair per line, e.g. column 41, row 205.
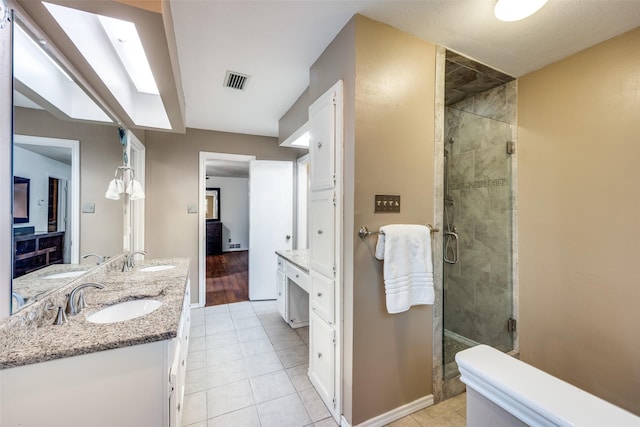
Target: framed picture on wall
column 20, row 200
column 212, row 204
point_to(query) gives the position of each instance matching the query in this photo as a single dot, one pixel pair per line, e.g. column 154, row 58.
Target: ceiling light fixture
column 515, row 10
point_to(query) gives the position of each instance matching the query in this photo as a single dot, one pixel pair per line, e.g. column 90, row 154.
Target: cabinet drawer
column 322, row 296
column 297, row 275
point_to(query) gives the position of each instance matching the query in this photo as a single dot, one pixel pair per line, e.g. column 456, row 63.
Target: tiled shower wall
column 478, row 291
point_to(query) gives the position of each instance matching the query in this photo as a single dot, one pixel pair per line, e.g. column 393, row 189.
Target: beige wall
column 389, row 143
column 579, row 204
column 100, row 154
column 295, row 117
column 172, row 163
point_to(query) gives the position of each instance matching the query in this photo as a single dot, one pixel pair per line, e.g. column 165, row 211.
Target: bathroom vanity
column 123, row 372
column 293, row 286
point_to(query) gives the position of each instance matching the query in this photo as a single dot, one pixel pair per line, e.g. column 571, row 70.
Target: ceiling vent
column 236, row 80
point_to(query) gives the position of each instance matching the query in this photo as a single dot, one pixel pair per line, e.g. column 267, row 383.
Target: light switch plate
column 386, row 203
column 88, row 208
column 192, row 209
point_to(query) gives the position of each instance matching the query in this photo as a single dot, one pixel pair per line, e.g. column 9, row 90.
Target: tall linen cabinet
column 325, row 247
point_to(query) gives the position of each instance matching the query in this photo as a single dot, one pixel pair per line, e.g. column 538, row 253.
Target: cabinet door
column 281, row 284
column 322, row 142
column 322, row 359
column 322, row 296
column 322, row 230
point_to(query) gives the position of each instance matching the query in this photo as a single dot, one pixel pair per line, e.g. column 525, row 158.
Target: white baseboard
column 394, row 414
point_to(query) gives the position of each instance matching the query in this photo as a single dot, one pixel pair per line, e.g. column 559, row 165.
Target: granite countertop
column 32, row 338
column 299, row 257
column 35, row 285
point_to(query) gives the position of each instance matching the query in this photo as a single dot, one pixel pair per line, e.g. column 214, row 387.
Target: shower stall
column 479, row 128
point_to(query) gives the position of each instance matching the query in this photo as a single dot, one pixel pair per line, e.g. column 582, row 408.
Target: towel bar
column 364, row 231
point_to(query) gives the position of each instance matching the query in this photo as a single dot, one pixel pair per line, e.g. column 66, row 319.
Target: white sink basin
column 157, row 268
column 124, row 311
column 65, row 275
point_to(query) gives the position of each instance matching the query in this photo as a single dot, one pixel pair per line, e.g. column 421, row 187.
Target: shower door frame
column 447, row 388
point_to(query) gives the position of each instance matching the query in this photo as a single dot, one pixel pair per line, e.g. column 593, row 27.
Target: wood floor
column 227, row 278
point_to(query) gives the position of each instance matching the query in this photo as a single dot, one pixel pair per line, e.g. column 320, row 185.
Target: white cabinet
column 325, row 247
column 281, row 286
column 322, row 355
column 322, row 212
column 322, row 142
column 293, row 293
column 323, row 297
column 139, row 385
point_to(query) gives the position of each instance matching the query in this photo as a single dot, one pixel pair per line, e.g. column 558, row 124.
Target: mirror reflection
column 64, row 153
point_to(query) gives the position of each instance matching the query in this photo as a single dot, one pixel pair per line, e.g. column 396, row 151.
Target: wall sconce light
column 515, row 10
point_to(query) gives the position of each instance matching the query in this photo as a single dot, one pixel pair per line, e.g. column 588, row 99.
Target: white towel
column 408, row 268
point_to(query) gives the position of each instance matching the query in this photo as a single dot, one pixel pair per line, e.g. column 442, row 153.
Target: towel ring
column 364, row 231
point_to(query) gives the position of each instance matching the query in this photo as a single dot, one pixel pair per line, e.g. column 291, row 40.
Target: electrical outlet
column 192, row 209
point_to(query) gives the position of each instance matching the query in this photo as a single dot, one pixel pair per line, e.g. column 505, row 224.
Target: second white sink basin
column 65, row 274
column 124, row 311
column 157, row 267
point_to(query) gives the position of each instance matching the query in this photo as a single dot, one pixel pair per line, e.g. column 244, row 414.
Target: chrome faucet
column 129, row 262
column 75, row 307
column 101, row 258
column 19, row 299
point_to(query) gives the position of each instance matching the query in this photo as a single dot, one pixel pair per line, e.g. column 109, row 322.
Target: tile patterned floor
column 246, row 367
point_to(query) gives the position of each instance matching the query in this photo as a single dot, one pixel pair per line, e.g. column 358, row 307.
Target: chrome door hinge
column 335, row 201
column 511, row 147
column 334, row 402
column 334, row 269
column 334, row 100
column 334, row 338
column 511, row 325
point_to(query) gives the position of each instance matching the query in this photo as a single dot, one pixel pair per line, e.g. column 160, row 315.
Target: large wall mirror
column 65, row 151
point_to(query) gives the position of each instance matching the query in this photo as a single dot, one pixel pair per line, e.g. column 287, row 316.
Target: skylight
column 114, row 50
column 40, row 82
column 126, row 41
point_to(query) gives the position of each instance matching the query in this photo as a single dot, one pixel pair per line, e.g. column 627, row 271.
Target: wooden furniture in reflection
column 214, row 237
column 34, row 251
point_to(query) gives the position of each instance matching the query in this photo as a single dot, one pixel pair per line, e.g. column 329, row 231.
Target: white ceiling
column 275, row 42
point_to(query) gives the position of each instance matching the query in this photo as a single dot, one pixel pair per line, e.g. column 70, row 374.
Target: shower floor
column 450, row 346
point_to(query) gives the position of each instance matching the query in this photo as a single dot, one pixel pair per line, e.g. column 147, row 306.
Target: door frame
column 206, row 156
column 134, row 216
column 74, row 215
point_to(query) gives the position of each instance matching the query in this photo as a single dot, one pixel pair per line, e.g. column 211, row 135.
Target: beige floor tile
column 195, row 381
column 219, row 327
column 314, row 405
column 251, row 334
column 407, row 421
column 225, row 373
column 271, row 386
column 256, row 347
column 198, row 424
column 452, row 419
column 197, row 344
column 327, row 422
column 260, row 364
column 247, row 417
column 224, row 308
column 294, row 356
column 287, row 411
column 229, row 398
column 300, row 377
column 196, row 360
column 284, row 341
column 428, row 414
column 246, row 322
column 195, row 408
column 221, row 340
column 228, row 353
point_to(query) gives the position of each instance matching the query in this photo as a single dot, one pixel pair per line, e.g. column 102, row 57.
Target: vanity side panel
column 123, row 387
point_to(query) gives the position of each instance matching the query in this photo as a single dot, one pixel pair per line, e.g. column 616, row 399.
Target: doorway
column 255, row 203
column 56, row 160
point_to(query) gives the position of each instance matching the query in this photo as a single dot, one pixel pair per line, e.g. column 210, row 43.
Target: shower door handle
column 449, row 237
